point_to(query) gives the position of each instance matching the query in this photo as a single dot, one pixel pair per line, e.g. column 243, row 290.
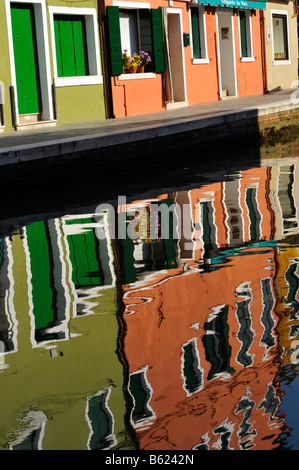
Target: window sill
column 200, row 61
column 281, row 62
column 136, row 76
column 74, row 81
column 247, row 59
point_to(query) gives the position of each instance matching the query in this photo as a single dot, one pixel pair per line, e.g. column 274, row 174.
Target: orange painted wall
column 202, row 79
column 133, row 97
column 249, row 74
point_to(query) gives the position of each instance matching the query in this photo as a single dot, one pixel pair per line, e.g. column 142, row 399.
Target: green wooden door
column 26, row 59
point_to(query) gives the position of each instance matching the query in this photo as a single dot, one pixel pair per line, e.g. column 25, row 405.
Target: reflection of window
column 192, row 374
column 266, row 316
column 280, row 37
column 254, row 214
column 245, row 334
column 30, row 437
column 141, row 392
column 286, row 184
column 245, row 34
column 101, row 422
column 208, row 227
column 199, row 49
column 216, row 341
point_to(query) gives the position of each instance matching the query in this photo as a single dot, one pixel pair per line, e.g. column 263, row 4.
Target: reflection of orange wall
column 168, row 309
column 156, row 332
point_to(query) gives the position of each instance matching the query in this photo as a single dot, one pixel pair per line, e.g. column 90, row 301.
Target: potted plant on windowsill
column 144, row 60
column 130, row 64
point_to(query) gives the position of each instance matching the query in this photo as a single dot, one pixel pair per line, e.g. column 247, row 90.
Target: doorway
column 26, row 59
column 31, row 90
column 226, row 42
column 176, row 76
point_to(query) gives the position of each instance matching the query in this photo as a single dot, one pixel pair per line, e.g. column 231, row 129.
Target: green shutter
column 195, row 33
column 71, row 46
column 114, row 38
column 244, row 51
column 158, row 49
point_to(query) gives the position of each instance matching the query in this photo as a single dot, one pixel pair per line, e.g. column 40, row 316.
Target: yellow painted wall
column 281, row 75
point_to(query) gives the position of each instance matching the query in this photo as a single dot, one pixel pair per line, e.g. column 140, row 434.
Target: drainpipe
column 263, row 46
column 217, row 67
column 106, row 74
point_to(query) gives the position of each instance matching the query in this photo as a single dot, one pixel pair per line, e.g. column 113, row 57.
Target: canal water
column 166, row 320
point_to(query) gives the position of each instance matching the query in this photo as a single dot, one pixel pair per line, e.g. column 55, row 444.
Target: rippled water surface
column 116, row 336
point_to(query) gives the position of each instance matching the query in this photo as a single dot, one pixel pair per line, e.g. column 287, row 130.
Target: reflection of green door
column 26, row 59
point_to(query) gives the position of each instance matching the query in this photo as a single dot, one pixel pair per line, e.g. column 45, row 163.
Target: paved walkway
column 54, row 141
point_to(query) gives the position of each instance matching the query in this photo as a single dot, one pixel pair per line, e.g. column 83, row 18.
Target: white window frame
column 202, row 34
column 248, row 15
column 123, row 5
column 286, row 14
column 93, row 49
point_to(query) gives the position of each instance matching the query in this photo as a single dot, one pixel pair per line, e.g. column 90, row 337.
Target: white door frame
column 221, row 10
column 43, row 56
column 178, row 11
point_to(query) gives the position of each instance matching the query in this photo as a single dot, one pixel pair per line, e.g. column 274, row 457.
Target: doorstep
column 34, row 125
column 176, row 104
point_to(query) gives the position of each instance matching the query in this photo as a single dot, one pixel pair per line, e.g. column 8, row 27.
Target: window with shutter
column 75, row 46
column 195, row 34
column 198, row 35
column 71, row 46
column 134, row 30
column 244, row 48
column 245, row 35
column 280, row 37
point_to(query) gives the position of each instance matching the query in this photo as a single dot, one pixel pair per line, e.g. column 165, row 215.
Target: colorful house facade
column 62, row 61
column 200, row 52
column 50, row 63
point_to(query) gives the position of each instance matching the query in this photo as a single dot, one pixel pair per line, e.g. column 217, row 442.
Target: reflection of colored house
column 61, row 381
column 200, row 52
column 214, row 345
